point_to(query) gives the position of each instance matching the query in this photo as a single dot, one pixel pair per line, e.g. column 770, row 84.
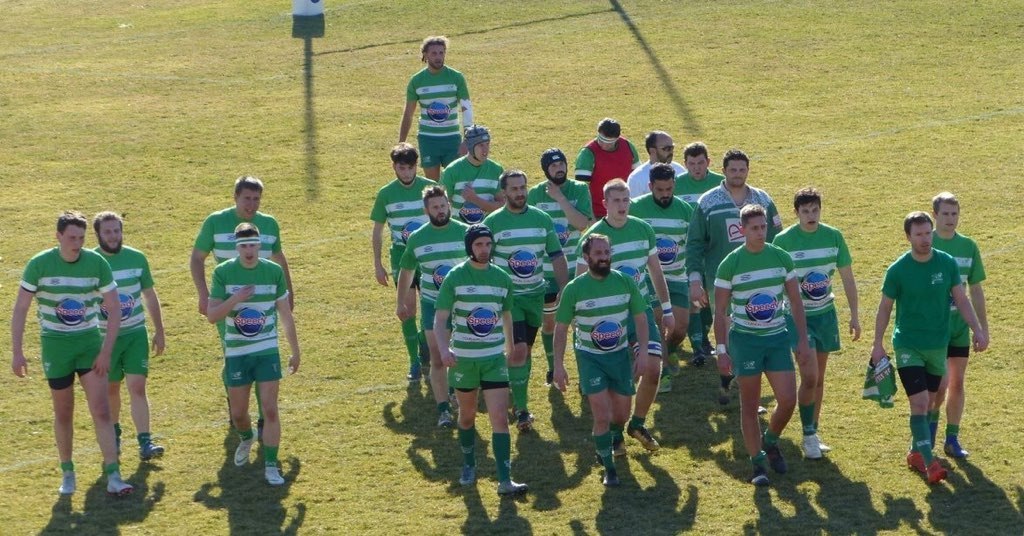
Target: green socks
column 759, row 459
column 519, row 382
column 467, row 441
column 144, row 438
column 412, row 341
column 952, row 430
column 807, row 419
column 603, row 443
column 443, row 407
column 769, row 438
column 270, row 456
column 246, row 435
column 111, row 468
column 549, row 348
column 67, row 466
column 695, row 331
column 919, row 432
column 502, row 444
column 615, row 429
column 636, row 422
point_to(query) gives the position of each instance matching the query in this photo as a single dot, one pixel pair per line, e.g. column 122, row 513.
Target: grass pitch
column 152, row 109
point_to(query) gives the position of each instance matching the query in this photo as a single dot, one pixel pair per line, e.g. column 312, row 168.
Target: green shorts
column 438, row 150
column 243, row 370
column 959, row 331
column 550, row 296
column 130, row 356
column 396, row 270
column 611, row 371
column 528, row 308
column 653, row 333
column 469, row 372
column 933, row 360
column 62, row 356
column 753, row 354
column 427, row 313
column 822, row 332
column 679, row 294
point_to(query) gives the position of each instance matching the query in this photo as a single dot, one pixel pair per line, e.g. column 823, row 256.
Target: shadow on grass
column 103, row 514
column 678, row 101
column 432, row 451
column 989, row 510
column 309, row 126
column 252, row 506
column 659, row 509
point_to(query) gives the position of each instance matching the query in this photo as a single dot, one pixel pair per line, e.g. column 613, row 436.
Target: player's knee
column 270, row 413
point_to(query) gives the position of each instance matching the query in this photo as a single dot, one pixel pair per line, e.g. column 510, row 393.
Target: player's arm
column 280, row 259
column 152, row 302
column 110, row 300
column 881, row 324
column 643, row 337
column 376, row 240
column 506, row 330
column 561, row 269
column 978, row 301
column 197, row 265
column 469, row 194
column 561, row 376
column 850, row 289
column 967, row 312
column 584, row 165
column 19, row 365
column 696, row 245
column 403, row 130
column 219, row 309
column 576, row 218
column 796, row 303
column 668, row 321
column 404, row 288
column 723, row 299
column 443, row 336
column 284, row 313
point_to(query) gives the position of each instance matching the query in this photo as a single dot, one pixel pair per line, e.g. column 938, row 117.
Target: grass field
column 153, row 108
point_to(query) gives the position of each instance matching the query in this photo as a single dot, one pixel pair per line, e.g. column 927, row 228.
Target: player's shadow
column 432, row 451
column 990, row 509
column 659, row 509
column 479, row 522
column 106, row 513
column 678, row 101
column 252, row 506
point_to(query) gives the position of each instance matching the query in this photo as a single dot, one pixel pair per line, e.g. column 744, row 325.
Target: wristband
column 721, row 349
column 666, row 309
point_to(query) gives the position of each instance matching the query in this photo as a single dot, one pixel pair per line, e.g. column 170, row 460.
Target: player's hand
column 204, row 303
column 980, row 341
column 640, row 364
column 402, row 312
column 158, row 343
column 244, row 293
column 102, row 364
column 855, row 328
column 561, row 378
column 293, row 363
column 469, row 194
column 554, row 192
column 804, row 353
column 698, row 297
column 19, row 365
column 668, row 323
column 877, row 353
column 724, row 363
column 447, row 359
column 381, row 274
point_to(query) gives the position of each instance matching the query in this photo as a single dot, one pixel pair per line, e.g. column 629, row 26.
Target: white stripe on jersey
column 521, row 233
column 251, row 348
column 810, row 254
column 440, row 88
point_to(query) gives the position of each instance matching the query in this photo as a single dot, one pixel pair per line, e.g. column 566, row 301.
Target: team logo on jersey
column 606, row 334
column 734, row 229
column 563, row 233
column 127, row 306
column 70, row 312
column 438, row 111
column 408, row 229
column 523, row 263
column 471, row 213
column 815, row 285
column 631, row 272
column 249, row 322
column 439, row 274
column 481, row 321
column 761, row 307
column 667, row 250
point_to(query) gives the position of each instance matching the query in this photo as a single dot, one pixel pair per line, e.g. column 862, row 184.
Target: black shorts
column 958, row 351
column 523, row 332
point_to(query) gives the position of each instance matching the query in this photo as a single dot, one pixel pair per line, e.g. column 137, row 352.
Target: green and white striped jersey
column 251, row 326
column 131, row 271
column 815, row 258
column 477, row 299
column 438, row 96
column 217, row 235
column 631, row 245
column 400, row 207
column 601, row 308
column 965, row 252
column 483, row 178
column 521, row 240
column 758, row 285
column 578, row 195
column 670, row 225
column 67, row 293
column 434, row 251
column 689, row 189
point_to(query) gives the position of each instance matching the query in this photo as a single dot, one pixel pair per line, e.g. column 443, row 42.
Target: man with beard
column 715, row 231
column 67, row 283
column 475, row 299
column 523, row 235
column 921, row 284
column 568, row 203
column 660, row 148
column 635, row 253
column 608, row 156
column 601, row 302
column 472, row 181
column 398, row 206
column 670, row 219
column 431, row 251
column 442, row 95
column 129, row 360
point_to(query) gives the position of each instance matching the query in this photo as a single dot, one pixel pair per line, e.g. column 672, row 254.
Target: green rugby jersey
column 131, row 271
column 601, row 308
column 690, row 189
column 631, row 245
column 670, row 225
column 965, row 252
column 521, row 241
column 251, row 326
column 400, row 207
column 715, row 228
column 758, row 285
column 815, row 257
column 67, row 294
column 578, row 195
column 483, row 178
column 434, row 251
column 438, row 96
column 477, row 298
column 921, row 291
column 218, row 234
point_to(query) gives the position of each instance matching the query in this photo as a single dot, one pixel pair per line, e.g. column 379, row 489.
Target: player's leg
column 916, row 371
column 750, row 425
column 679, row 295
column 526, row 321
column 59, row 368
column 647, row 390
column 957, row 371
column 410, row 332
column 114, row 377
column 438, row 372
column 547, row 332
column 807, row 390
column 778, row 368
column 430, row 156
column 494, row 377
column 135, row 367
column 271, row 430
column 95, row 387
column 819, row 397
column 466, row 381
